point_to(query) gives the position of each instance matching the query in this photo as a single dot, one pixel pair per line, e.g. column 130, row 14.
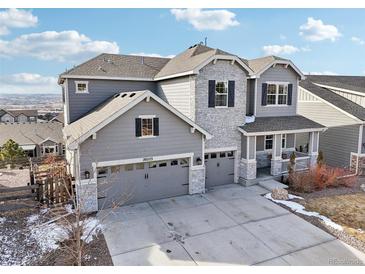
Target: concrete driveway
column 230, row 225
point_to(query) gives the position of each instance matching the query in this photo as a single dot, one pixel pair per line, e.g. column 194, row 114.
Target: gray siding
column 321, row 112
column 290, row 139
column 177, row 93
column 117, row 140
column 363, row 140
column 337, row 143
column 222, row 123
column 244, row 147
column 99, row 91
column 277, row 74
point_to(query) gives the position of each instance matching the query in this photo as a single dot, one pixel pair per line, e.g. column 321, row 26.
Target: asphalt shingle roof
column 117, row 65
column 280, row 123
column 260, row 63
column 16, row 112
column 31, row 133
column 335, row 99
column 355, row 83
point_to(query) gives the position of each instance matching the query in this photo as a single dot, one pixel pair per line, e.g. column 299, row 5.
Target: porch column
column 248, row 161
column 313, row 147
column 276, row 155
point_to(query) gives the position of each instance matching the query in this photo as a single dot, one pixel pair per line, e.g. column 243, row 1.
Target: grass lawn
column 346, row 210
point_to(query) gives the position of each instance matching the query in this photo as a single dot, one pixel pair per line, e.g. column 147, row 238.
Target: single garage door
column 219, row 168
column 141, row 182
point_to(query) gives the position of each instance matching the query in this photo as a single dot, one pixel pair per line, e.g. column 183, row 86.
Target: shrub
column 320, row 177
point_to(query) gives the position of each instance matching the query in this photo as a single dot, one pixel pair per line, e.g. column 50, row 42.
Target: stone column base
column 276, row 166
column 87, row 195
column 197, row 179
column 247, row 169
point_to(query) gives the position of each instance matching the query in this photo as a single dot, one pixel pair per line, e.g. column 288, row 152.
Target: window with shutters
column 147, row 126
column 221, row 94
column 277, row 94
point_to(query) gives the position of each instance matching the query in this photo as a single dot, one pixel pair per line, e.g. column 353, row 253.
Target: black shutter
column 290, row 93
column 264, row 94
column 211, row 94
column 230, row 93
column 138, row 127
column 156, row 127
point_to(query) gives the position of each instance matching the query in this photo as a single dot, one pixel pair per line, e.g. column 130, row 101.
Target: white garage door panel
column 142, row 182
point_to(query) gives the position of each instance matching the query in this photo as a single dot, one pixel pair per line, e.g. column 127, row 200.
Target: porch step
column 271, row 184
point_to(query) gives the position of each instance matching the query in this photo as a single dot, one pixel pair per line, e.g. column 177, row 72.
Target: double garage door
column 219, row 168
column 140, row 182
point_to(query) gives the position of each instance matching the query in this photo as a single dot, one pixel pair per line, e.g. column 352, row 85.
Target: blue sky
column 36, row 45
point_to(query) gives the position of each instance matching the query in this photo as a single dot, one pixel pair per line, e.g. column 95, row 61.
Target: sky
column 37, row 45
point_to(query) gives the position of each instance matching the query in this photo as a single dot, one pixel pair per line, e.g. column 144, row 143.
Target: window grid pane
column 221, row 94
column 283, row 95
column 147, row 127
column 271, row 94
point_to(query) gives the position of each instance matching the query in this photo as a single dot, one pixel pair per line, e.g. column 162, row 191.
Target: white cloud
column 305, row 49
column 28, row 83
column 153, row 55
column 315, row 30
column 358, row 40
column 206, row 19
column 282, row 37
column 279, row 50
column 53, row 45
column 14, row 18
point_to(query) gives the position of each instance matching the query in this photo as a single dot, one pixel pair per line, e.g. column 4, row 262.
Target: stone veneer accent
column 197, row 180
column 222, row 123
column 87, row 195
column 247, row 169
column 276, row 167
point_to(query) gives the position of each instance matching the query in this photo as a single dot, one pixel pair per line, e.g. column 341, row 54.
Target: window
column 63, row 149
column 271, row 94
column 140, row 166
column 213, row 155
column 174, row 162
column 162, row 164
column 147, row 127
column 184, row 162
column 222, row 155
column 206, row 156
column 269, row 139
column 82, row 86
column 115, row 169
column 221, row 94
column 152, row 165
column 277, row 94
column 283, row 141
column 230, row 154
column 49, row 149
column 128, row 167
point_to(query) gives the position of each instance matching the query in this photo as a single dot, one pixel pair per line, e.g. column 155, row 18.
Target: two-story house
column 147, row 128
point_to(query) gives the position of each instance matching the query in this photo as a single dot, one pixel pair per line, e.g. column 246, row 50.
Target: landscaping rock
column 279, row 194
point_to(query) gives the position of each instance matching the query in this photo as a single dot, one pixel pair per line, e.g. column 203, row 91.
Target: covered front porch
column 266, row 151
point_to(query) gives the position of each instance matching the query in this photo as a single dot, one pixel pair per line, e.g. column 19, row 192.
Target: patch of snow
column 91, row 226
column 32, row 219
column 301, row 209
column 69, row 209
column 2, row 220
column 44, row 210
column 249, row 119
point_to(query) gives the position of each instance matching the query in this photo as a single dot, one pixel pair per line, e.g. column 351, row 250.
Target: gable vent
column 124, row 95
column 132, row 94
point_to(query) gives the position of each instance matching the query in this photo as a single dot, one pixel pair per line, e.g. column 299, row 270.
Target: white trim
column 282, row 135
column 77, row 88
column 104, row 78
column 277, row 84
column 248, row 160
column 48, row 139
column 255, row 99
column 361, row 130
column 342, row 89
column 186, row 73
column 147, row 116
column 143, row 160
column 328, row 103
column 66, row 114
column 280, row 131
column 130, row 105
column 221, row 149
column 288, row 62
column 221, row 94
column 272, row 148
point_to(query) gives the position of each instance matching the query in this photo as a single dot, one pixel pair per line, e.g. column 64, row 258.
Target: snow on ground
column 301, row 209
column 22, row 244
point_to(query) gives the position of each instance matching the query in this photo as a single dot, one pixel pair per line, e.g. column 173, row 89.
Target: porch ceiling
column 280, row 124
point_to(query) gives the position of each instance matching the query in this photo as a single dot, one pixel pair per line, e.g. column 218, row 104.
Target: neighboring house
column 338, row 102
column 197, row 102
column 59, row 118
column 18, row 115
column 36, row 139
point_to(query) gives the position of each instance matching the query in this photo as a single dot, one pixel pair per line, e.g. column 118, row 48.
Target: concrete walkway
column 230, row 225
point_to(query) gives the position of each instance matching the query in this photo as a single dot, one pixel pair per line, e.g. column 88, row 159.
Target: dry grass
column 346, row 210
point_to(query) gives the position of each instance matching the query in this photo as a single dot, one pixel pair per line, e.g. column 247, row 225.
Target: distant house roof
column 334, row 99
column 17, row 112
column 59, row 118
column 80, row 130
column 280, row 124
column 354, row 83
column 31, row 133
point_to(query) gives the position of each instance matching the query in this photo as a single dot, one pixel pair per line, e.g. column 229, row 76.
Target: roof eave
column 284, row 62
